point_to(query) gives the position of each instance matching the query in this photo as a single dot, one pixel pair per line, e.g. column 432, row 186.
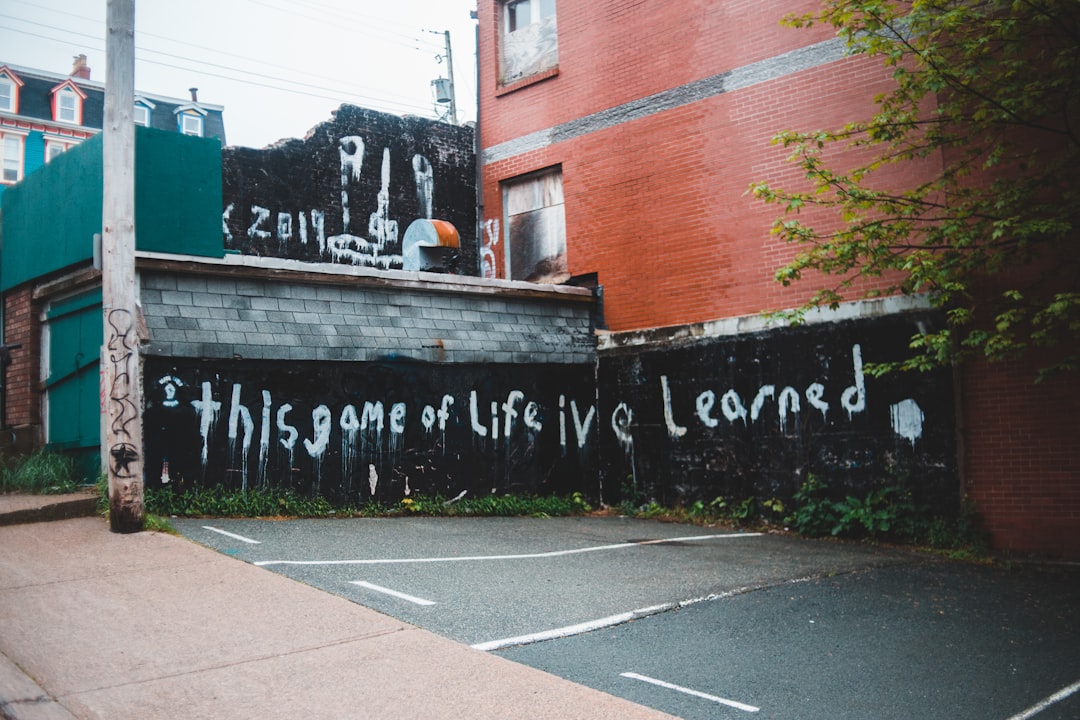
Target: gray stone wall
column 230, row 309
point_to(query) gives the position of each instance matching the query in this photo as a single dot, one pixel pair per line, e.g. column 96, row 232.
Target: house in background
column 42, row 114
column 619, row 140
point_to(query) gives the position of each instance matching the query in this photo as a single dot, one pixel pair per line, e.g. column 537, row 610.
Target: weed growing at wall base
column 43, row 473
column 220, row 502
column 885, row 513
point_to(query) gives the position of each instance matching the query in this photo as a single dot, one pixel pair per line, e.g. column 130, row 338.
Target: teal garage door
column 73, row 337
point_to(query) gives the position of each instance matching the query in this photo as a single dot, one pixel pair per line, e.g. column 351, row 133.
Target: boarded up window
column 536, row 228
column 529, row 39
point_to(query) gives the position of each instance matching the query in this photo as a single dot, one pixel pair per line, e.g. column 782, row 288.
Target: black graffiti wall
column 348, row 191
column 754, row 415
column 360, row 431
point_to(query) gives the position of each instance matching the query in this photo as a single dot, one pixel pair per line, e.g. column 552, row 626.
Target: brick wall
column 1021, row 456
column 656, row 165
column 22, row 406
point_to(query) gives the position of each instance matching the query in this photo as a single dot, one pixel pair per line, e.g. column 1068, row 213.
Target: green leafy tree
column 985, row 109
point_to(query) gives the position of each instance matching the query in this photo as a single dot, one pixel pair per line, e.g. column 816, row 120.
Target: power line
column 337, row 97
column 338, row 91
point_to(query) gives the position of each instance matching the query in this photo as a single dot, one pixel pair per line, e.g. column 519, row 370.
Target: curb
column 23, row 699
column 60, row 510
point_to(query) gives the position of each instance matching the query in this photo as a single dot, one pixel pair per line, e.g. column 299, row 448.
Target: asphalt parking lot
column 704, row 622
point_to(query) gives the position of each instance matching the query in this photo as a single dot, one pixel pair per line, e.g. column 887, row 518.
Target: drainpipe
column 479, row 160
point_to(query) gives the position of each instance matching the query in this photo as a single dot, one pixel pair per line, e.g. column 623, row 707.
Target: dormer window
column 9, row 90
column 189, row 119
column 141, row 111
column 67, row 103
column 66, row 106
column 191, row 125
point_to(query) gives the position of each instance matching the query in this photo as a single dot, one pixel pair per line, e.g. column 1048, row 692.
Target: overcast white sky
column 278, row 67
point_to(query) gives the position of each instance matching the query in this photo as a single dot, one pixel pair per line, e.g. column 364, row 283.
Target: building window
column 141, row 114
column 535, row 223
column 11, row 158
column 191, row 124
column 54, row 147
column 67, row 106
column 529, row 40
column 7, row 95
column 9, row 90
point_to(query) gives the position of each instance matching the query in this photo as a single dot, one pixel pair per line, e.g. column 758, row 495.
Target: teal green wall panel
column 48, row 220
column 178, row 193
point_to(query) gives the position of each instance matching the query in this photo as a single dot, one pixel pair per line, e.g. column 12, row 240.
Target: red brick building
column 620, row 138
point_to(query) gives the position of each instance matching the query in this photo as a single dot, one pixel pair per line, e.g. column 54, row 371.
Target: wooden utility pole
column 450, row 77
column 121, row 378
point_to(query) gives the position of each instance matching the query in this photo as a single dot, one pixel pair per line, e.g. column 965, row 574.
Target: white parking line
column 578, row 629
column 1042, row 705
column 688, row 691
column 395, row 593
column 619, row 619
column 524, row 556
column 234, row 536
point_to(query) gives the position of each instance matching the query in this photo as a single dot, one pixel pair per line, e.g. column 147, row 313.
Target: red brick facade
column 22, row 406
column 660, row 116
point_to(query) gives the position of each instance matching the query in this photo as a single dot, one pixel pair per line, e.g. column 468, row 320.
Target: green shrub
column 42, row 473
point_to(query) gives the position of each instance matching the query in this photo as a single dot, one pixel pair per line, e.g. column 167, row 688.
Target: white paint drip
column 373, row 479
column 423, row 176
column 814, row 394
column 759, row 400
column 351, row 153
column 350, row 428
column 208, row 409
column 674, row 430
column 788, row 402
column 854, row 398
column 264, row 437
column 582, row 427
column 239, row 413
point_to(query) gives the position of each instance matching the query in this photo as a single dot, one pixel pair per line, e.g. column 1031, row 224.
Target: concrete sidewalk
column 99, row 625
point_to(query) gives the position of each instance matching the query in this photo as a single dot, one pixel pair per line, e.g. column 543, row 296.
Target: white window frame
column 8, row 140
column 191, row 124
column 12, row 97
column 55, row 146
column 62, row 108
column 142, row 110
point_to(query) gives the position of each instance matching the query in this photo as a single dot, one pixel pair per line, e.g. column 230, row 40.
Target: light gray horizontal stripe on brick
column 737, row 79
